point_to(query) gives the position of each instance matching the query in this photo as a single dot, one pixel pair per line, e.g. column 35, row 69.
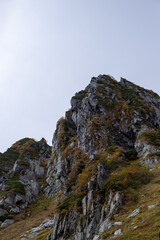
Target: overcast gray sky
column 50, row 49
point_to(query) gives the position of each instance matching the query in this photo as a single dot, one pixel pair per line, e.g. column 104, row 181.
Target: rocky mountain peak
column 101, row 151
column 127, row 83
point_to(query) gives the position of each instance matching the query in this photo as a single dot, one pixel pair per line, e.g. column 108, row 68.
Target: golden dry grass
column 33, row 216
column 146, row 224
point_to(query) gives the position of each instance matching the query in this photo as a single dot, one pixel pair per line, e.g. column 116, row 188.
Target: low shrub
column 64, row 134
column 82, row 180
column 70, row 201
column 76, row 170
column 111, row 149
column 11, row 153
column 112, row 158
column 132, row 176
column 155, row 154
column 14, row 184
column 23, row 141
column 80, row 95
column 131, row 154
column 152, row 136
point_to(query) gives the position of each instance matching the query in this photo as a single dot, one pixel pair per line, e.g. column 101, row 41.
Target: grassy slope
column 147, row 221
column 33, row 216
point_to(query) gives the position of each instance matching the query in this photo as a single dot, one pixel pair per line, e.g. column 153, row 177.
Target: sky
column 50, row 49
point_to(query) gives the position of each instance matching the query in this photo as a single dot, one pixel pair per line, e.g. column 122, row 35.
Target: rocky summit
column 100, row 180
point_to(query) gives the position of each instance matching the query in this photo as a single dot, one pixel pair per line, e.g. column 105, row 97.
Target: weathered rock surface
column 103, row 131
column 101, row 175
column 47, row 223
column 20, row 186
column 151, row 206
column 92, row 224
column 7, row 223
column 134, row 213
column 99, row 117
column 118, row 232
column 106, row 114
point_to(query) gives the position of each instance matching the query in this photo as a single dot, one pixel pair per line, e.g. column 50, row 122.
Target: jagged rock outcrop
column 103, row 129
column 107, row 113
column 20, row 186
column 94, row 221
column 90, row 168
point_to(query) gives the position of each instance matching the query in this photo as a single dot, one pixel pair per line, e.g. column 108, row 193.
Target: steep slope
column 108, row 126
column 105, row 157
column 22, row 168
column 107, row 113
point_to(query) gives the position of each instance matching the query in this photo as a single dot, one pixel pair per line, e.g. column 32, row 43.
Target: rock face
column 107, row 113
column 94, row 221
column 20, row 186
column 89, row 169
column 107, row 125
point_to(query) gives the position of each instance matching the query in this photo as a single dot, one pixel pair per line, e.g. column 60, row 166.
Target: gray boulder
column 106, row 225
column 3, row 212
column 134, row 213
column 7, row 223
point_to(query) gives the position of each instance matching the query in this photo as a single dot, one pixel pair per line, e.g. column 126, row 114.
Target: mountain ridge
column 101, row 156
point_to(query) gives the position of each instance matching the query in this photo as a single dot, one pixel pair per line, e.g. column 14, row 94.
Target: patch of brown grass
column 147, row 221
column 33, row 216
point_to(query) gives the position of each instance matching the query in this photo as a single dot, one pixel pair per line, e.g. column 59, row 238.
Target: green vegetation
column 7, row 159
column 134, row 101
column 151, row 92
column 146, row 224
column 27, row 147
column 111, row 149
column 76, row 170
column 105, row 102
column 41, row 205
column 83, row 179
column 11, row 154
column 151, row 136
column 131, row 154
column 112, row 81
column 70, row 201
column 127, row 177
column 128, row 98
column 80, row 95
column 23, row 141
column 14, row 184
column 109, row 77
column 24, row 163
column 155, row 154
column 43, row 235
column 64, row 132
column 20, row 149
column 111, row 159
column 101, row 81
column 129, row 94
